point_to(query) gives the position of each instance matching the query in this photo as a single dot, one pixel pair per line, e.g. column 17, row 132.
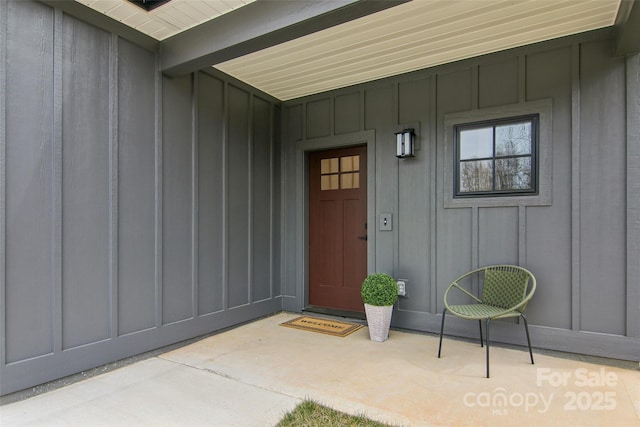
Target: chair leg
column 488, row 320
column 526, row 328
column 441, row 331
column 480, row 324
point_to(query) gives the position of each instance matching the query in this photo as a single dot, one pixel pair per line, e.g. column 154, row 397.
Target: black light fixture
column 148, row 4
column 405, row 143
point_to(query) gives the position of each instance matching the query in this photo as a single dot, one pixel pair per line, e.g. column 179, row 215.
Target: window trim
column 534, row 120
column 543, row 196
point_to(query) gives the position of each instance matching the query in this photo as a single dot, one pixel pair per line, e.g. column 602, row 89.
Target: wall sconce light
column 405, row 143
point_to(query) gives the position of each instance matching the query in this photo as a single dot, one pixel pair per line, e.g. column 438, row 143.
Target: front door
column 337, row 227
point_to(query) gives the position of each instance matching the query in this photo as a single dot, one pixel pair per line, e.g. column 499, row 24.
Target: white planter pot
column 379, row 321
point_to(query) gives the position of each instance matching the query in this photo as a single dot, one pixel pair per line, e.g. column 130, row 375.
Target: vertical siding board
column 177, row 199
column 602, row 184
column 347, row 113
column 86, row 291
column 318, row 118
column 113, row 183
column 195, row 212
column 633, row 195
column 136, row 188
column 238, row 196
column 261, row 201
column 414, row 216
column 454, row 240
column 498, row 83
column 576, row 271
column 250, row 200
column 380, row 116
column 522, row 235
column 498, row 235
column 433, row 189
column 57, row 261
column 159, row 192
column 3, row 177
column 277, row 177
column 550, row 226
column 210, row 231
column 293, row 118
column 522, row 77
column 29, row 198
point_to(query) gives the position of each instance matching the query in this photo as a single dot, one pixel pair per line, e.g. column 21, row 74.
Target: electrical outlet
column 402, row 287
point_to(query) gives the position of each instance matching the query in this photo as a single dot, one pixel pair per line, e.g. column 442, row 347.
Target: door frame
column 302, row 201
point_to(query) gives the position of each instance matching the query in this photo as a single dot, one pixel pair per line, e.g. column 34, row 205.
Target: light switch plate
column 386, row 222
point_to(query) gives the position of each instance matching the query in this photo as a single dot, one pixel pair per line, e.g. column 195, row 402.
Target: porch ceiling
column 412, row 36
column 406, row 37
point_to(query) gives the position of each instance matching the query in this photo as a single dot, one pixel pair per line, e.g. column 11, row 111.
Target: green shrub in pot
column 379, row 289
column 379, row 294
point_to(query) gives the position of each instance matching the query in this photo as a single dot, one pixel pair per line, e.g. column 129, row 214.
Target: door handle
column 362, row 237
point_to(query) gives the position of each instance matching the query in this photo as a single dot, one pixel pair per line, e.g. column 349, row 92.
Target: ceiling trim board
column 628, row 28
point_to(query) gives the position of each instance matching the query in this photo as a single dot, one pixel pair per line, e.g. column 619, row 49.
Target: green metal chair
column 506, row 291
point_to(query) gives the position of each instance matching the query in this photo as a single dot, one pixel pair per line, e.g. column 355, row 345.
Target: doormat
column 324, row 326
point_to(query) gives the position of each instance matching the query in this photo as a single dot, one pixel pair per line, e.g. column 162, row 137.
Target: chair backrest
column 505, row 286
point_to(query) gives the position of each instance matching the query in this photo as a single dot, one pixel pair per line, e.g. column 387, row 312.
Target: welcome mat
column 324, row 326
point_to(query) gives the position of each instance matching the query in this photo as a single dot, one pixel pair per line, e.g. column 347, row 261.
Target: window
column 536, row 185
column 340, row 173
column 497, row 157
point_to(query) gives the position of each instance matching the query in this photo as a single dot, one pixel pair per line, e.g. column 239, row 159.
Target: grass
column 312, row 414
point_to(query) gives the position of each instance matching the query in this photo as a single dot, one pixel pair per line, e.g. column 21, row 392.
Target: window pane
column 347, row 164
column 329, row 165
column 513, row 174
column 325, row 166
column 347, row 180
column 334, row 165
column 476, row 176
column 334, row 182
column 350, row 180
column 329, row 182
column 325, row 182
column 356, row 163
column 513, row 139
column 476, row 143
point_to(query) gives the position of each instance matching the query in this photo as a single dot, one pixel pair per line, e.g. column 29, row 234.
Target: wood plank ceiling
column 167, row 20
column 404, row 38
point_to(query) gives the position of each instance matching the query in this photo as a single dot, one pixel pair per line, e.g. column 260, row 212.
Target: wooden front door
column 337, row 227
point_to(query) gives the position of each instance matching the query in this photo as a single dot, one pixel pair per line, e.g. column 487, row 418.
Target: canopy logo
column 499, row 401
column 586, row 390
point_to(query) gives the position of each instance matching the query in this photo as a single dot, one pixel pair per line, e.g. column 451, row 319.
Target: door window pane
column 340, row 173
column 329, row 182
column 329, row 166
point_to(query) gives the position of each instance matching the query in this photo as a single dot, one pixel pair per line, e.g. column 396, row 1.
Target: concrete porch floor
column 253, row 374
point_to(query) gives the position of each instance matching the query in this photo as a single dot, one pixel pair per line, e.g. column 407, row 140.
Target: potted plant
column 379, row 294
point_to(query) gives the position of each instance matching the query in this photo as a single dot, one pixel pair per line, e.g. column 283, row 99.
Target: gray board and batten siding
column 139, row 210
column 579, row 235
